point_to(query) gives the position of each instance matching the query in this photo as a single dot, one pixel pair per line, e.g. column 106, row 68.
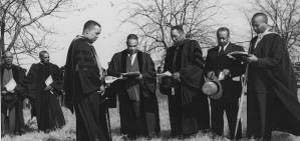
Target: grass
column 67, row 133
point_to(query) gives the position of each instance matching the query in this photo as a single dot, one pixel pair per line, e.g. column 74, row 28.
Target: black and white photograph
column 150, row 70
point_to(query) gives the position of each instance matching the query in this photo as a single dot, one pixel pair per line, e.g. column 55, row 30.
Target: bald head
column 259, row 22
column 8, row 58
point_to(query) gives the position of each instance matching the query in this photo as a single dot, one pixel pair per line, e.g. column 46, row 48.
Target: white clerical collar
column 224, row 48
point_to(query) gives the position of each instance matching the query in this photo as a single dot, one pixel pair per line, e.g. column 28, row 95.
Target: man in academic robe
column 137, row 97
column 13, row 92
column 272, row 102
column 44, row 83
column 218, row 63
column 188, row 106
column 82, row 85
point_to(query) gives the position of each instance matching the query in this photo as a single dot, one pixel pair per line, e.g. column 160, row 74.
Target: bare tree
column 21, row 26
column 285, row 17
column 155, row 17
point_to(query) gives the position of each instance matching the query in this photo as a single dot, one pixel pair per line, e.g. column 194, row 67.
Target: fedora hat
column 213, row 89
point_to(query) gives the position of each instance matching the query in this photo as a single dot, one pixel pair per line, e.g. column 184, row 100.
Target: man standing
column 272, row 93
column 44, row 83
column 13, row 90
column 217, row 62
column 188, row 107
column 138, row 102
column 82, row 82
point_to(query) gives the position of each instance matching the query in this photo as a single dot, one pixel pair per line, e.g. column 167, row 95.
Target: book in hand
column 11, row 85
column 49, row 80
column 238, row 55
column 111, row 79
column 131, row 74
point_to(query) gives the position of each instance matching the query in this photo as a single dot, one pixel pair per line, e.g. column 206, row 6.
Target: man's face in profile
column 45, row 58
column 257, row 24
column 132, row 45
column 177, row 36
column 93, row 33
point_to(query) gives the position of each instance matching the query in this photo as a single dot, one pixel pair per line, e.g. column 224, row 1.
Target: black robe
column 272, row 75
column 81, row 83
column 147, row 93
column 189, row 107
column 47, row 109
column 13, row 102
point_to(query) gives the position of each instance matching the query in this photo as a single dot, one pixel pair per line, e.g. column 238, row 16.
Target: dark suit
column 217, row 61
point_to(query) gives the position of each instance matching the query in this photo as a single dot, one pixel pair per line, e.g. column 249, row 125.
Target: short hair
column 132, row 36
column 223, row 29
column 260, row 14
column 5, row 53
column 178, row 28
column 89, row 24
column 42, row 52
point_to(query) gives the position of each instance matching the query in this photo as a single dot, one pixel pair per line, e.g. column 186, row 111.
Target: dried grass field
column 67, row 133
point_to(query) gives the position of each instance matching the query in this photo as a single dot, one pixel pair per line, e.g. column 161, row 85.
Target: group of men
column 42, row 85
column 272, row 102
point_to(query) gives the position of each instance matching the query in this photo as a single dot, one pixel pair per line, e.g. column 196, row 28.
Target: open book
column 239, row 55
column 11, row 85
column 131, row 74
column 49, row 80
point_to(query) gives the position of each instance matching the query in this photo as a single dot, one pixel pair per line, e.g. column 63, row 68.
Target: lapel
column 139, row 57
column 140, row 60
column 123, row 61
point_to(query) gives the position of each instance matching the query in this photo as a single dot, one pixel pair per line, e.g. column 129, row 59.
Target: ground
column 67, row 133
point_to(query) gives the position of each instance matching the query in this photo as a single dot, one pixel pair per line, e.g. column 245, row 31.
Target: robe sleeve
column 208, row 63
column 57, row 79
column 273, row 59
column 21, row 88
column 113, row 66
column 236, row 67
column 191, row 72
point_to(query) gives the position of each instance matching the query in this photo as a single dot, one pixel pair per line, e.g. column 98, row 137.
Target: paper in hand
column 11, row 85
column 49, row 80
column 110, row 79
column 167, row 73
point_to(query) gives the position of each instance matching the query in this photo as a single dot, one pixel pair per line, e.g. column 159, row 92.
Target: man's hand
column 252, row 58
column 226, row 72
column 176, row 76
column 140, row 76
column 48, row 88
column 211, row 75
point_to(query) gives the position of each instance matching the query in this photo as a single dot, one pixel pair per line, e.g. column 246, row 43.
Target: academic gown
column 12, row 104
column 81, row 83
column 148, row 106
column 273, row 76
column 188, row 108
column 47, row 109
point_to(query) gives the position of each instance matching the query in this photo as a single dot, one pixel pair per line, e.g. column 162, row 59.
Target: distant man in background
column 218, row 62
column 188, row 107
column 13, row 89
column 82, row 85
column 137, row 98
column 272, row 102
column 44, row 83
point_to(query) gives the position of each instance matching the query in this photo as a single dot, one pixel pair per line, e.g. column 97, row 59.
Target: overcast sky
column 107, row 13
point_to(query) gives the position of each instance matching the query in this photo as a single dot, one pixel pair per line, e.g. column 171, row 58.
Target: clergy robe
column 188, row 108
column 147, row 122
column 272, row 94
column 47, row 109
column 12, row 120
column 81, row 83
column 216, row 61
